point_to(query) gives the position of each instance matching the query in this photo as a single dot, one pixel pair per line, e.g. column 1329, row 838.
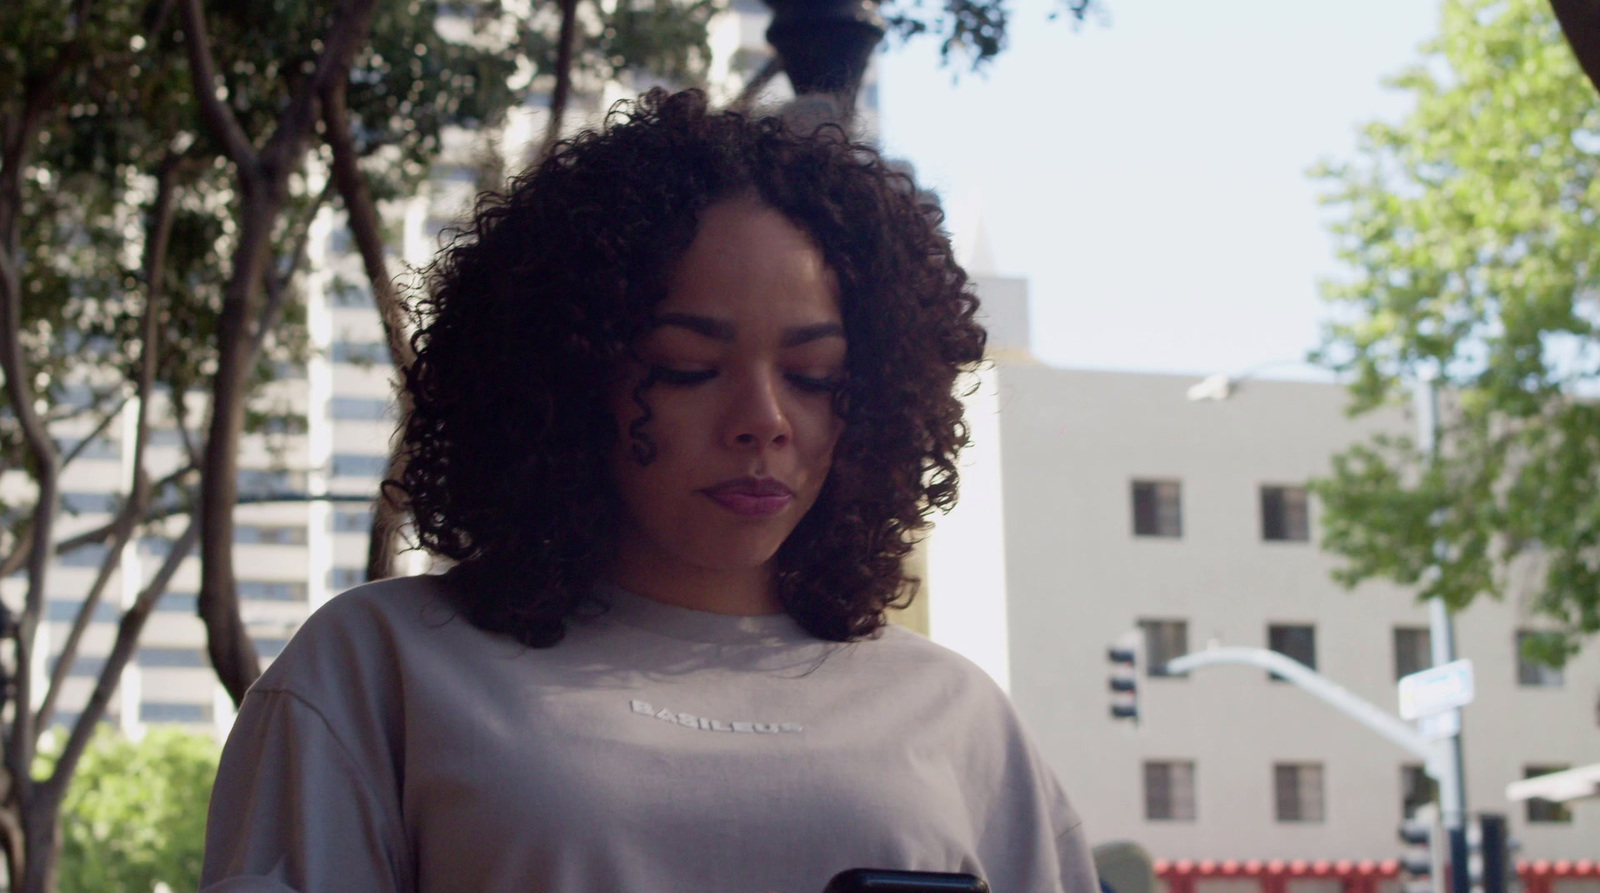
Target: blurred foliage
column 135, row 813
column 971, row 29
column 1468, row 233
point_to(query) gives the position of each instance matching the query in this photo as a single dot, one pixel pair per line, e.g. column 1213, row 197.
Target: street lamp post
column 1442, row 638
column 825, row 45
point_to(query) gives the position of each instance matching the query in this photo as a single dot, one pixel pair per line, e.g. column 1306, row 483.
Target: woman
column 683, row 401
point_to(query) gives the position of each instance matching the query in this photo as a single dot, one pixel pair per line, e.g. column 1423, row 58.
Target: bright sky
column 1147, row 173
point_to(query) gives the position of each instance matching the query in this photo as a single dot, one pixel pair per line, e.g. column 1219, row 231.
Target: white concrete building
column 1099, row 504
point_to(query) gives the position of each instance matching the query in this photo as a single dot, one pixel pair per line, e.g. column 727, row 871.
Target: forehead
column 749, row 262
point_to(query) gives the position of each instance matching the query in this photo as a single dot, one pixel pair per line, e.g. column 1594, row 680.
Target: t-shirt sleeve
column 1077, row 862
column 293, row 809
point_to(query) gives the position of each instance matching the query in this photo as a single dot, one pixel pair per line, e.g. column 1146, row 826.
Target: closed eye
column 668, row 376
column 817, row 384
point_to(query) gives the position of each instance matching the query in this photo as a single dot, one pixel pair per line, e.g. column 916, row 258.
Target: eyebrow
column 722, row 330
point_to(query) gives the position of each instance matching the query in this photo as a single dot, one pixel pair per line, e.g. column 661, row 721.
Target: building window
column 1169, row 791
column 1416, row 789
column 263, row 481
column 167, row 711
column 1164, row 640
column 272, row 590
column 351, row 520
column 179, row 603
column 270, row 534
column 90, row 555
column 342, row 578
column 360, row 353
column 1546, row 811
column 1283, row 515
column 359, row 465
column 1298, row 791
column 1531, row 672
column 1413, row 650
column 1298, row 641
column 1157, row 508
column 88, row 503
column 270, row 647
column 172, row 658
column 360, row 409
column 63, row 610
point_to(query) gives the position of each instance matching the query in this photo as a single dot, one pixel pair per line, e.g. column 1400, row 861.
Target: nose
column 756, row 417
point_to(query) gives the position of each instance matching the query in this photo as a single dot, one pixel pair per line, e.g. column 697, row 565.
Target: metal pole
column 1442, row 636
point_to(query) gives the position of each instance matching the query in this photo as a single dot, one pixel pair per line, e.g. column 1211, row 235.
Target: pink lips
column 751, row 496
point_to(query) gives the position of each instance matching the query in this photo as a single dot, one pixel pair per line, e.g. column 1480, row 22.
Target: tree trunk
column 1580, row 22
column 263, row 183
column 388, row 511
column 566, row 46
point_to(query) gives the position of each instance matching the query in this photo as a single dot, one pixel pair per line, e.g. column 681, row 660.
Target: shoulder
column 363, row 635
column 924, row 670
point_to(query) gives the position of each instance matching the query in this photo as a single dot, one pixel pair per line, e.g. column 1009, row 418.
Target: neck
column 740, row 591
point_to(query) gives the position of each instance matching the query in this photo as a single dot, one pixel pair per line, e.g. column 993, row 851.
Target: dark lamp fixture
column 825, row 44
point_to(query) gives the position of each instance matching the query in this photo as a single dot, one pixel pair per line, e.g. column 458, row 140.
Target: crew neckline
column 641, row 612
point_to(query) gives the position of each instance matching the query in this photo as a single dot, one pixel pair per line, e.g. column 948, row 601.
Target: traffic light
column 1417, row 862
column 1124, row 657
column 1490, row 861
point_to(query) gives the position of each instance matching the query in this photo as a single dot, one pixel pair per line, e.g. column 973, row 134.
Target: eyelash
column 685, row 378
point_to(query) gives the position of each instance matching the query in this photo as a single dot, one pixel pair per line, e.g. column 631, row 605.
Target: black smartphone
column 879, row 880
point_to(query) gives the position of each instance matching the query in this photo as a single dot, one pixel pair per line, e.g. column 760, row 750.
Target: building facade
column 1111, row 508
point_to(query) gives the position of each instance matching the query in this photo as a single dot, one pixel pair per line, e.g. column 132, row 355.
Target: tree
column 1470, row 236
column 160, row 164
column 135, row 814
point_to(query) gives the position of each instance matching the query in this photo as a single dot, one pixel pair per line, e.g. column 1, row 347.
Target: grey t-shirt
column 395, row 747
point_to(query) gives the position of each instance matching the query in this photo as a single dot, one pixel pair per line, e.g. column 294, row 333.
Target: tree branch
column 747, row 96
column 566, row 43
column 362, row 214
column 203, row 72
column 161, row 214
column 128, row 632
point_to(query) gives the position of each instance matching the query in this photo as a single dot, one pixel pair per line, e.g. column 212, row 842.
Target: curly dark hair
column 534, row 306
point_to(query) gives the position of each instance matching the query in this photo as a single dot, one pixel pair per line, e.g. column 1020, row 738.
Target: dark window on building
column 351, row 520
column 342, row 578
column 1157, row 508
column 89, row 555
column 272, row 590
column 270, row 534
column 360, row 353
column 264, row 481
column 1416, row 789
column 178, row 603
column 1531, row 672
column 1283, row 514
column 63, row 610
column 1546, row 811
column 270, row 646
column 1169, row 791
column 344, row 293
column 1297, row 788
column 95, row 448
column 360, row 409
column 1413, row 650
column 167, row 711
column 1295, row 640
column 167, row 658
column 359, row 465
column 1164, row 640
column 85, row 665
column 88, row 503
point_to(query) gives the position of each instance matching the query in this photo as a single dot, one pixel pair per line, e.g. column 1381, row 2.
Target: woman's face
column 747, row 352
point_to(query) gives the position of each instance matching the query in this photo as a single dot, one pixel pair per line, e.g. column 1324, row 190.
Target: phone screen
column 877, row 880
